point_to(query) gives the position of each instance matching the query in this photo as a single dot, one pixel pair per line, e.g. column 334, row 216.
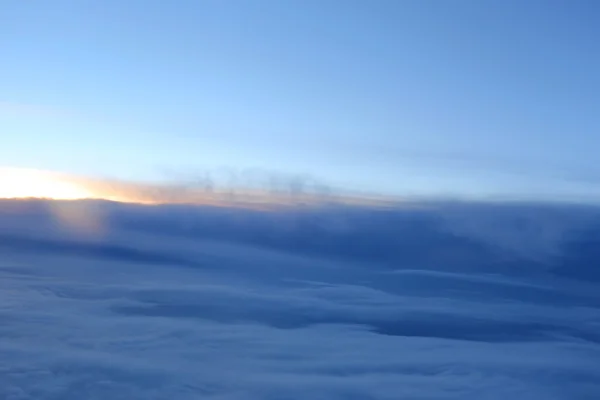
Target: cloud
column 226, row 187
column 125, row 316
column 440, row 236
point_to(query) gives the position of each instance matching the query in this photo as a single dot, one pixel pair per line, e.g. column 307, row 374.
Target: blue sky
column 430, row 97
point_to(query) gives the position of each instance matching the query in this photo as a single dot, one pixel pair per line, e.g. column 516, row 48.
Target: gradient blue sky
column 430, row 97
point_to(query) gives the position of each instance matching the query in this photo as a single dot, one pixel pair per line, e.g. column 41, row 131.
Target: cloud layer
column 187, row 303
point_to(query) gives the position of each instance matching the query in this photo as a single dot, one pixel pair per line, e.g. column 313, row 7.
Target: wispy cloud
column 235, row 189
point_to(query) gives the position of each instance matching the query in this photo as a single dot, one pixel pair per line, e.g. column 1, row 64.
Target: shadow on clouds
column 505, row 238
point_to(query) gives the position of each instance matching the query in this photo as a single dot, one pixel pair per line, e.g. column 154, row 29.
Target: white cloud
column 249, row 324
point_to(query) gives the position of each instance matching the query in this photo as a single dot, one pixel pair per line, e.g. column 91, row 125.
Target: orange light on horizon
column 17, row 183
column 21, row 183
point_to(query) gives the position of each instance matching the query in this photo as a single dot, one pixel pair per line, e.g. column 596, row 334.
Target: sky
column 472, row 98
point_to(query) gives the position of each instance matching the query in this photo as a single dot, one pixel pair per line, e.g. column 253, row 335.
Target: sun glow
column 21, row 183
column 16, row 183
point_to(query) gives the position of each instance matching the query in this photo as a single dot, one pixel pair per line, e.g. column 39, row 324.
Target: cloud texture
column 440, row 302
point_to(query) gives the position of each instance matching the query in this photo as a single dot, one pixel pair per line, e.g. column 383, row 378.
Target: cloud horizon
column 454, row 301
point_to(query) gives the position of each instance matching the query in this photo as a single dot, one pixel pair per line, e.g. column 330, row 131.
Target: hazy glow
column 28, row 183
column 18, row 183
